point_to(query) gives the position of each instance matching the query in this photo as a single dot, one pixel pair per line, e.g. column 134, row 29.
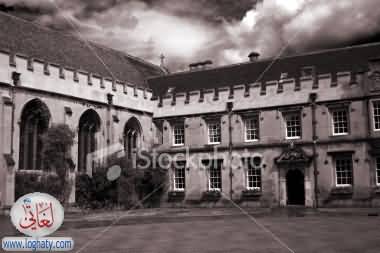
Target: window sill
column 339, row 135
column 292, row 138
column 251, row 141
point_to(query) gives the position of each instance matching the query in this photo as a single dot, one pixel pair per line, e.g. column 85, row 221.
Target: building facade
column 49, row 78
column 308, row 125
column 299, row 130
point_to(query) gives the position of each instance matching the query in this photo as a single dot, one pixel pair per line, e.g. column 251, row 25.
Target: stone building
column 47, row 77
column 298, row 130
column 308, row 125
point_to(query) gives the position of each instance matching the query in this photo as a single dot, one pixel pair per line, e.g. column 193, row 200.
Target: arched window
column 132, row 137
column 89, row 125
column 34, row 122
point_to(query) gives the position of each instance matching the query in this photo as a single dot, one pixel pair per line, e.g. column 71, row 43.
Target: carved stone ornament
column 293, row 156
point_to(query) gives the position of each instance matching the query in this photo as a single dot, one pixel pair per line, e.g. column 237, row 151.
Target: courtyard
column 307, row 234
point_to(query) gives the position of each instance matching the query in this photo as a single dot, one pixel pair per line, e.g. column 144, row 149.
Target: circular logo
column 37, row 214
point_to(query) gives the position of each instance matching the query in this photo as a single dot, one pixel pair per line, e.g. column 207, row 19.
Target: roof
column 32, row 40
column 326, row 61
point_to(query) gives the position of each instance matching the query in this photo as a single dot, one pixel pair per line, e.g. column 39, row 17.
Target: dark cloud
column 224, row 31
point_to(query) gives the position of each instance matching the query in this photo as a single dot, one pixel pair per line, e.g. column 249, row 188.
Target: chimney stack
column 253, row 56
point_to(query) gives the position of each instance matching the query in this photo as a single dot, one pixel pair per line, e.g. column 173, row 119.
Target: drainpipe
column 229, row 110
column 313, row 98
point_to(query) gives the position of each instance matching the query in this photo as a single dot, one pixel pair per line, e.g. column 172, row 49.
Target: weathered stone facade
column 314, row 97
column 67, row 93
column 327, row 154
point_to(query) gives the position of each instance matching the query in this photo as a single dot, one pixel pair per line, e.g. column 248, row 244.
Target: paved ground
column 217, row 231
column 238, row 234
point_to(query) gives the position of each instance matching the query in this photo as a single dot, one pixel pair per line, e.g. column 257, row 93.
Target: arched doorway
column 295, row 185
column 132, row 137
column 35, row 119
column 89, row 125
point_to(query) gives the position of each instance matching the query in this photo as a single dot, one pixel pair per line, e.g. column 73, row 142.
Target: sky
column 224, row 31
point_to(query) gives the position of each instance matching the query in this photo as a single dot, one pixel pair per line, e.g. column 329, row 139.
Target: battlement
column 39, row 74
column 273, row 93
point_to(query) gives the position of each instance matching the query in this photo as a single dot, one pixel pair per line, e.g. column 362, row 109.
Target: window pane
column 215, row 174
column 253, row 173
column 377, row 170
column 343, row 168
column 252, row 129
column 376, row 115
column 179, row 176
column 340, row 121
column 293, row 125
column 179, row 134
column 214, row 132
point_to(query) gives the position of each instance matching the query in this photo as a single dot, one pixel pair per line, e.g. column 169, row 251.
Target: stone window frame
column 211, row 138
column 350, row 176
column 256, row 130
column 377, row 170
column 286, row 115
column 341, row 108
column 248, row 164
column 375, row 113
column 210, row 167
column 179, row 166
column 178, row 125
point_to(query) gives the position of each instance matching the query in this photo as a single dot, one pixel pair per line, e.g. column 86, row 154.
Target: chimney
column 253, row 56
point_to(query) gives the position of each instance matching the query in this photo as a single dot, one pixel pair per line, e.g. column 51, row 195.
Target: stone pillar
column 308, row 193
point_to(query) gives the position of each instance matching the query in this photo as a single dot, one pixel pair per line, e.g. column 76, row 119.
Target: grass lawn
column 349, row 234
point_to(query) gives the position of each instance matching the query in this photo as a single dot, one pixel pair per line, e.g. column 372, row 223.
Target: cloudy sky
column 224, row 31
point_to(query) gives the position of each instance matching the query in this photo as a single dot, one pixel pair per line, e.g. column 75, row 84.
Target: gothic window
column 132, row 137
column 89, row 125
column 34, row 122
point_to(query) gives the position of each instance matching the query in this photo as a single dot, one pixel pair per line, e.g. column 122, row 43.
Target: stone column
column 308, row 193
